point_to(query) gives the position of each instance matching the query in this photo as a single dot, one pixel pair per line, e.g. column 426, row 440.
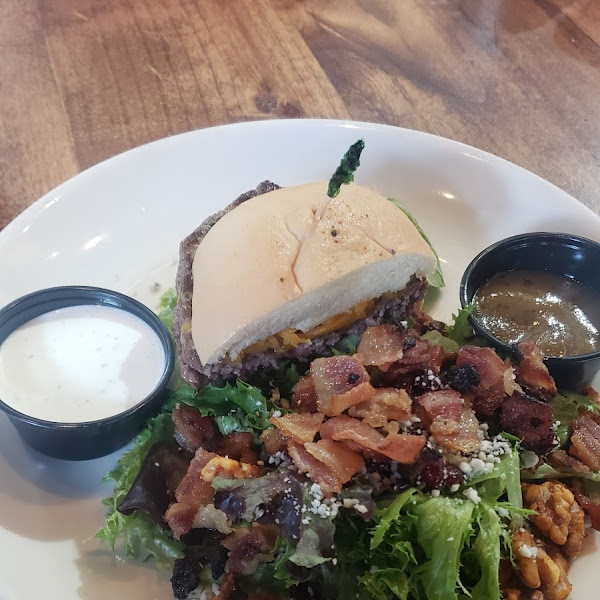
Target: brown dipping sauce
column 559, row 314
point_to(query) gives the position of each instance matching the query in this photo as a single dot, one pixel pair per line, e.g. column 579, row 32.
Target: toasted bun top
column 294, row 258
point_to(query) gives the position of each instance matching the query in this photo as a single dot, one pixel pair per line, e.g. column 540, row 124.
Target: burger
column 289, row 273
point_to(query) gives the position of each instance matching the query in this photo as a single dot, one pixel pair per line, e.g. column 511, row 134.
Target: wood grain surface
column 82, row 80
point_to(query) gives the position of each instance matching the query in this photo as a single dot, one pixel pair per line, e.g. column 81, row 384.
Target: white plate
column 118, row 225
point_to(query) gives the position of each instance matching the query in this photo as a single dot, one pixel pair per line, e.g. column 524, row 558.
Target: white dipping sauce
column 80, row 363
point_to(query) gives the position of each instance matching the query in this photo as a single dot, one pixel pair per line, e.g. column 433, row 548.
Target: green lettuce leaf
column 436, row 279
column 436, row 338
column 566, row 406
column 545, row 471
column 488, row 553
column 167, row 303
column 460, row 330
column 136, row 534
column 443, row 526
column 239, row 407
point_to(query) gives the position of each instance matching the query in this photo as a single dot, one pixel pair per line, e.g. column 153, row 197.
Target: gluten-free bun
column 293, row 258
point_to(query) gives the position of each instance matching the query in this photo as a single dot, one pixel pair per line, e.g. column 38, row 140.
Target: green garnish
column 345, row 172
column 436, row 279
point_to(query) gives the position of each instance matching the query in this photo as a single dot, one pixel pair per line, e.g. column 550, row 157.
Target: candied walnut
column 559, row 516
column 545, row 572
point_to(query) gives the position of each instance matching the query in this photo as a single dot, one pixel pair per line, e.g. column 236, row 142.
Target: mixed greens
column 414, row 545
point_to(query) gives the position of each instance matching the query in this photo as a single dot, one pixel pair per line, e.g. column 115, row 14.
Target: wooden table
column 82, row 80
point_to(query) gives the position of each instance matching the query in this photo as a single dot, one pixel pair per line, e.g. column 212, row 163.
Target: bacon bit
column 457, row 435
column 510, row 383
column 491, row 368
column 340, row 382
column 591, row 508
column 346, row 428
column 532, row 373
column 209, row 517
column 192, row 430
column 227, row 587
column 440, row 404
column 559, row 458
column 443, row 414
column 238, row 445
column 180, row 518
column 529, row 419
column 191, row 493
column 250, row 546
column 399, row 447
column 585, row 441
column 192, row 487
column 402, row 447
column 341, row 460
column 422, row 322
column 388, row 404
column 220, row 466
column 420, row 357
column 315, row 469
column 381, row 345
column 304, row 398
column 341, row 402
column 301, row 427
column 274, row 441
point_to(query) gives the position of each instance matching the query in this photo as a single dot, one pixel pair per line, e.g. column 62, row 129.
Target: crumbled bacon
column 191, row 493
column 238, row 445
column 492, row 372
column 591, row 508
column 402, row 448
column 532, row 373
column 381, row 345
column 585, row 441
column 440, row 404
column 420, row 357
column 192, row 430
column 388, row 404
column 221, row 466
column 209, row 517
column 192, row 487
column 340, row 459
column 346, row 428
column 250, row 546
column 529, row 419
column 274, row 441
column 452, row 426
column 227, row 587
column 340, row 382
column 304, row 398
column 301, row 427
column 559, row 458
column 195, row 489
column 461, row 435
column 315, row 469
column 422, row 322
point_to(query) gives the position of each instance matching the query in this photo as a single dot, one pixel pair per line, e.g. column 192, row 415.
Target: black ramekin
column 91, row 439
column 561, row 253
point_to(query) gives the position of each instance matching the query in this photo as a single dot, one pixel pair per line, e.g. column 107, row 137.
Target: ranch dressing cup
column 81, row 369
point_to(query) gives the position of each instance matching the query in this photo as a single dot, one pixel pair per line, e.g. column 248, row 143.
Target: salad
column 409, row 462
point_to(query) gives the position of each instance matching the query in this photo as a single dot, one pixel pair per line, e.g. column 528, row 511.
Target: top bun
column 292, row 258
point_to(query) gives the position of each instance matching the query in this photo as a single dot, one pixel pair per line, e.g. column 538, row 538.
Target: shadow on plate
column 49, row 499
column 105, row 576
